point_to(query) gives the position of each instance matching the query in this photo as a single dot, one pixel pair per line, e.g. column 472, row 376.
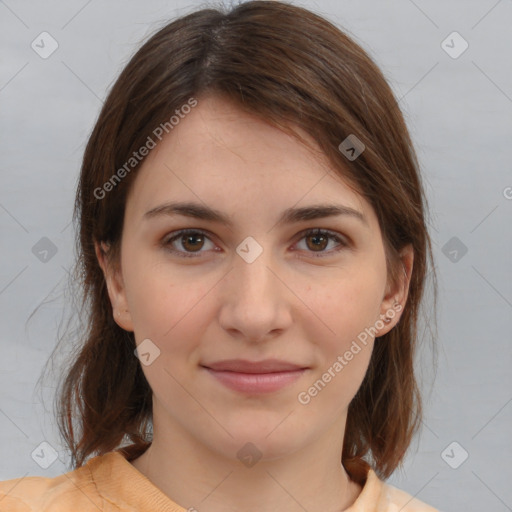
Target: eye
column 193, row 240
column 320, row 239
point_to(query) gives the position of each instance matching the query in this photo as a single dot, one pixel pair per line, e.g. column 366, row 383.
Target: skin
column 295, row 302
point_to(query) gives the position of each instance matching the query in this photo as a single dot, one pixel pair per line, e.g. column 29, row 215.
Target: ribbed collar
column 119, row 482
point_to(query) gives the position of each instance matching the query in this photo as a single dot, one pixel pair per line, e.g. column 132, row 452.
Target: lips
column 244, row 366
column 255, row 377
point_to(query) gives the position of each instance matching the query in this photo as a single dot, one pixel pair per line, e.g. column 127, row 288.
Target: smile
column 256, row 382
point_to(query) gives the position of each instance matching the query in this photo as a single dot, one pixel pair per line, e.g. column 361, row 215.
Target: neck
column 311, row 478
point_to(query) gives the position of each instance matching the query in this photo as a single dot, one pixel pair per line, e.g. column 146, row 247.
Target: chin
column 260, row 440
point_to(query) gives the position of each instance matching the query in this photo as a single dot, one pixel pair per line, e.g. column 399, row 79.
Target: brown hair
column 291, row 68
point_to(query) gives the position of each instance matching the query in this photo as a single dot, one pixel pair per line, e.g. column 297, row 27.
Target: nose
column 255, row 301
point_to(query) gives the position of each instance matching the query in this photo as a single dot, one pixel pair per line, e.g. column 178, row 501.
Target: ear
column 396, row 294
column 115, row 287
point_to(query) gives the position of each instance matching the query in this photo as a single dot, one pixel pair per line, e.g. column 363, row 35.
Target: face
column 254, row 287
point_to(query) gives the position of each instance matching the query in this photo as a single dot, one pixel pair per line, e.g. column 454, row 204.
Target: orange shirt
column 110, row 483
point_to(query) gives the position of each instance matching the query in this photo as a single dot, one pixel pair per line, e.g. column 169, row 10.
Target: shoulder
column 390, row 499
column 74, row 490
column 403, row 501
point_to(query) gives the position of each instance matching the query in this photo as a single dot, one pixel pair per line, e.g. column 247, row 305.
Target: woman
column 253, row 252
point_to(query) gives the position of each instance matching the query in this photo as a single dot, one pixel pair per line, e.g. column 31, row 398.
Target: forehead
column 221, row 155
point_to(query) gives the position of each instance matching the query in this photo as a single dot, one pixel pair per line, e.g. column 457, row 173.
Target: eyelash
column 304, row 234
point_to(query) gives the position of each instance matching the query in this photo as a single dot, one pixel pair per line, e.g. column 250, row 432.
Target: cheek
column 167, row 309
column 152, row 301
column 348, row 305
column 347, row 311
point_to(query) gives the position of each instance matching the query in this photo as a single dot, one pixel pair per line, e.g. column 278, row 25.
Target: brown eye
column 187, row 242
column 192, row 242
column 318, row 242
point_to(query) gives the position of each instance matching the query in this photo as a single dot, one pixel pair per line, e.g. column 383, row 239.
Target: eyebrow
column 289, row 216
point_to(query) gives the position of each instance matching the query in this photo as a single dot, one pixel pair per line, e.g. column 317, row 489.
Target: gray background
column 459, row 112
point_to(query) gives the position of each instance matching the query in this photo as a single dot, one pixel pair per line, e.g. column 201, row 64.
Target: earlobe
column 395, row 299
column 115, row 287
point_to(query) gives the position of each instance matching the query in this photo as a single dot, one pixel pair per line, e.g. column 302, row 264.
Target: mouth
column 255, row 377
